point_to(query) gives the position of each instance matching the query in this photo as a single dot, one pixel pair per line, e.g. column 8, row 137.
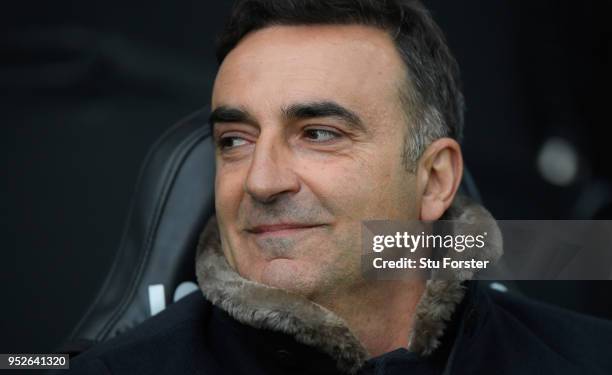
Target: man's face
column 309, row 132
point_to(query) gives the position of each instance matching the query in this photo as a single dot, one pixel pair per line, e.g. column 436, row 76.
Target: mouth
column 281, row 229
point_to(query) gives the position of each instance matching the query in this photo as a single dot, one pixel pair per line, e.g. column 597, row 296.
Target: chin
column 289, row 274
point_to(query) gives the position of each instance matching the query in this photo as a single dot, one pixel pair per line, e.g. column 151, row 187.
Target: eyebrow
column 225, row 114
column 323, row 109
column 230, row 114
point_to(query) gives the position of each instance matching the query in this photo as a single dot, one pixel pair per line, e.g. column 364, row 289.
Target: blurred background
column 86, row 87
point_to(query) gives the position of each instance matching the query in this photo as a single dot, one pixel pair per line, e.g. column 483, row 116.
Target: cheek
column 340, row 186
column 374, row 187
column 394, row 196
column 228, row 193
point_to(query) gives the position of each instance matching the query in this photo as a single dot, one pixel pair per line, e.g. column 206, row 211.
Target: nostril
column 265, row 183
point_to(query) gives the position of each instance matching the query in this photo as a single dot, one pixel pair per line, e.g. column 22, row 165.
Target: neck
column 379, row 313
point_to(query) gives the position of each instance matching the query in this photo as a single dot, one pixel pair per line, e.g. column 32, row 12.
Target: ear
column 439, row 173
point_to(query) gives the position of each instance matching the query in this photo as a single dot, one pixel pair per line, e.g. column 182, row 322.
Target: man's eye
column 321, row 135
column 231, row 142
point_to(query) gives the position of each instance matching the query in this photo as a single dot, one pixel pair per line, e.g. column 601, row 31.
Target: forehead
column 355, row 65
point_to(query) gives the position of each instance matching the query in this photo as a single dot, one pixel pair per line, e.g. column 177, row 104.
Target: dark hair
column 432, row 97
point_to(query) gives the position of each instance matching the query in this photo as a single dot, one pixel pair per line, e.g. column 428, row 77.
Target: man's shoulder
column 153, row 345
column 527, row 335
column 547, row 319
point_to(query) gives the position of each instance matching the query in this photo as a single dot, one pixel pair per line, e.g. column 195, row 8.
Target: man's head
column 325, row 114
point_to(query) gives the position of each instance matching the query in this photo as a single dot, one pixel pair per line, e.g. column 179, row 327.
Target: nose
column 270, row 174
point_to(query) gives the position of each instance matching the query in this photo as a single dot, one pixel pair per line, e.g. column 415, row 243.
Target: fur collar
column 261, row 306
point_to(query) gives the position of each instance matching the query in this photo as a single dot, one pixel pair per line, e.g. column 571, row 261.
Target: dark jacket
column 491, row 333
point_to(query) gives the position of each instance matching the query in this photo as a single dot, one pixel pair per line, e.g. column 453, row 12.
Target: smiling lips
column 280, row 229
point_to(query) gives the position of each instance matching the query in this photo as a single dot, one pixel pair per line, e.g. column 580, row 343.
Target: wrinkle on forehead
column 344, row 62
